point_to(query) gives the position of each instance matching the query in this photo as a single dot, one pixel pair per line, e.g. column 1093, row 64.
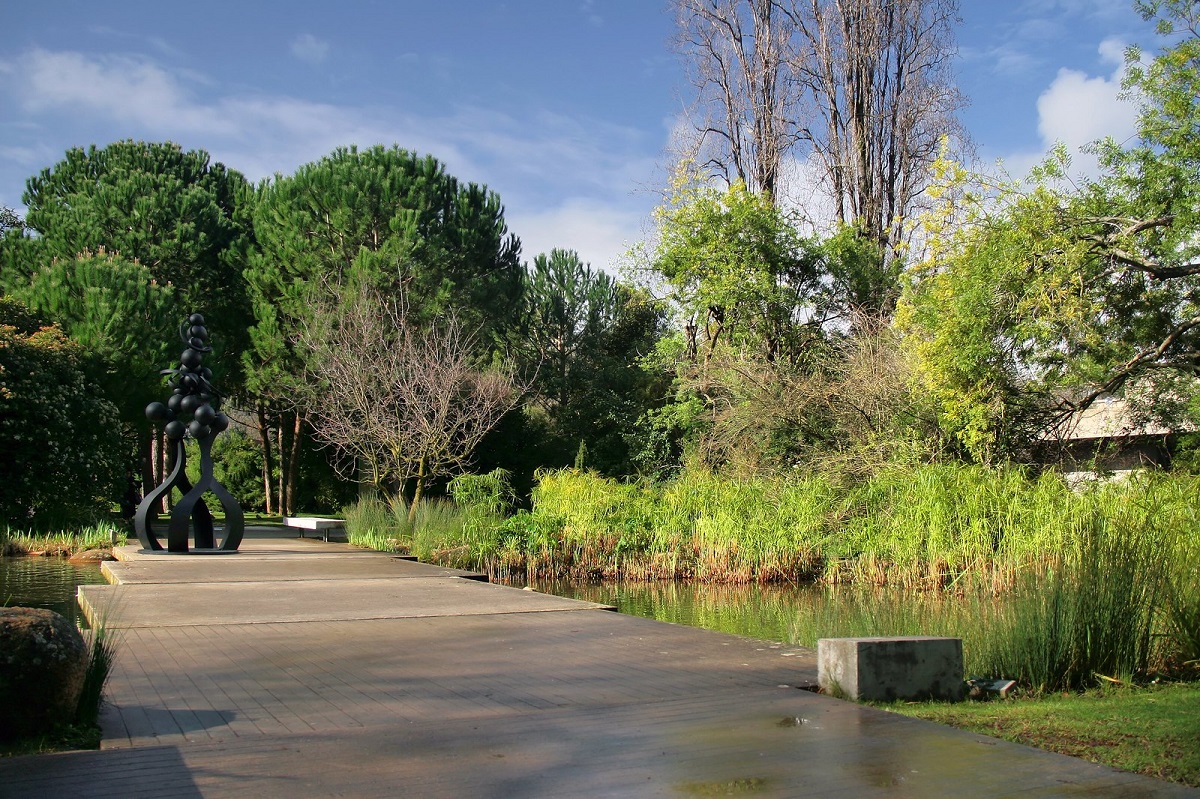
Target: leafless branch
column 407, row 403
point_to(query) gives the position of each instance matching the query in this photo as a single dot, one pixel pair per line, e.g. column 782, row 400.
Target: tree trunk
column 293, row 463
column 283, row 497
column 264, row 436
column 418, row 490
column 146, row 454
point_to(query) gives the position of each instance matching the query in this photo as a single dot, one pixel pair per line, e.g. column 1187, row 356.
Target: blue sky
column 565, row 108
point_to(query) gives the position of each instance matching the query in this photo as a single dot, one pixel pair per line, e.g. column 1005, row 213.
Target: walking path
column 300, row 668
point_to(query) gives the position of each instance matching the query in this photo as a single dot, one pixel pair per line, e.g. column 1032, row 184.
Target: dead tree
column 407, row 403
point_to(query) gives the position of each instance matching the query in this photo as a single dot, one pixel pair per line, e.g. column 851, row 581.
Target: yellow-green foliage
column 921, row 526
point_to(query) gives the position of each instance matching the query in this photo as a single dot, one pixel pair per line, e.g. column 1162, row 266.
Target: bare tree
column 408, row 404
column 862, row 88
column 880, row 99
column 740, row 56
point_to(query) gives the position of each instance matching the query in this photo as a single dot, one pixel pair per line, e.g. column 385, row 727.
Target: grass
column 463, row 533
column 1098, row 583
column 63, row 738
column 102, row 647
column 1150, row 730
column 102, row 535
column 374, row 524
column 917, row 526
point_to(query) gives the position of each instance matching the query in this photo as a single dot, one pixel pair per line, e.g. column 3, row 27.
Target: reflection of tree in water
column 794, row 614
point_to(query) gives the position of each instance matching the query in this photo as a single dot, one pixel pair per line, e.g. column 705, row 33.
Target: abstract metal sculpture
column 192, row 394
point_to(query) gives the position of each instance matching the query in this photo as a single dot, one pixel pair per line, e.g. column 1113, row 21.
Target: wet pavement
column 302, row 668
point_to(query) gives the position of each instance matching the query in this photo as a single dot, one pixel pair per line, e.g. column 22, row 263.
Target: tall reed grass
column 372, row 523
column 102, row 648
column 100, row 535
column 1099, row 581
column 464, row 532
column 937, row 526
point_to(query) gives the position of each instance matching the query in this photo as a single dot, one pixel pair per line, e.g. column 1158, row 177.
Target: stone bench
column 315, row 523
column 890, row 669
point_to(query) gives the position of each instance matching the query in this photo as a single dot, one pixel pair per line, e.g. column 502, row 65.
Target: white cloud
column 601, row 233
column 310, row 49
column 565, row 181
column 117, row 87
column 30, row 157
column 588, row 9
column 1112, row 50
column 1077, row 109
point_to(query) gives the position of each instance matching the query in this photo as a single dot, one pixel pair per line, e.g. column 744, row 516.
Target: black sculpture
column 192, row 394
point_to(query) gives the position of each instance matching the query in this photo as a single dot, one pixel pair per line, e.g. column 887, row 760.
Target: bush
column 63, row 444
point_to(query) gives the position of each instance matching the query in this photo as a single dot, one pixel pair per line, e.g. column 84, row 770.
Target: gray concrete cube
column 890, row 669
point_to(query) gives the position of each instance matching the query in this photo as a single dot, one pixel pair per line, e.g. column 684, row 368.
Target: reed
column 102, row 646
column 935, row 526
column 372, row 523
column 438, row 535
column 101, row 535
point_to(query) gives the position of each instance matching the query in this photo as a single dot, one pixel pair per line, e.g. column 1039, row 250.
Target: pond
column 46, row 583
column 793, row 614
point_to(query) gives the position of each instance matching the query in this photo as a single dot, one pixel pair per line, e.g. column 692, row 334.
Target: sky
column 565, row 108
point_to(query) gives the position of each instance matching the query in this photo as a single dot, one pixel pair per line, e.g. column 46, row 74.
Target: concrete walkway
column 299, row 668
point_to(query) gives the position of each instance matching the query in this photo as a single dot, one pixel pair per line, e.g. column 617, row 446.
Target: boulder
column 43, row 659
column 92, row 556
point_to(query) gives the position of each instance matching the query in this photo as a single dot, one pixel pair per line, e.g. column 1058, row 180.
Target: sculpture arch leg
column 191, row 511
column 143, row 524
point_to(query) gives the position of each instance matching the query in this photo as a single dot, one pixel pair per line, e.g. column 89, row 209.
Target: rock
column 92, row 556
column 42, row 663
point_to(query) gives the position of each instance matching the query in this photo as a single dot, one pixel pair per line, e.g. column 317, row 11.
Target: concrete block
column 888, row 669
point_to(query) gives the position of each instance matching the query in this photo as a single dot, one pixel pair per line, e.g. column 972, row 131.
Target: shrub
column 63, row 445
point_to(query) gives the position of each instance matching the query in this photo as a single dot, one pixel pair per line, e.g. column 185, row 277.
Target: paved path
column 301, row 668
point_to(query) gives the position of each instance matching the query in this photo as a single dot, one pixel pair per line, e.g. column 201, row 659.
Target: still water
column 792, row 614
column 46, row 583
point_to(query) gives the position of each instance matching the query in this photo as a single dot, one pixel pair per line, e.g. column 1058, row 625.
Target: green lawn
column 1151, row 730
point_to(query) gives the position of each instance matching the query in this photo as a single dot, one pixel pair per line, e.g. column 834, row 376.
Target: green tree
column 120, row 315
column 64, row 454
column 981, row 309
column 567, row 307
column 383, row 217
column 581, row 337
column 1141, row 220
column 398, row 220
column 740, row 274
column 154, row 203
column 1034, row 302
column 763, row 311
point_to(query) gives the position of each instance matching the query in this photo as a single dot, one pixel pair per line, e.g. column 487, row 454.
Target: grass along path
column 1150, row 730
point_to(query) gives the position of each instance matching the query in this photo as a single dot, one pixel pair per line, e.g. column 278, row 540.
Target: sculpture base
column 191, row 551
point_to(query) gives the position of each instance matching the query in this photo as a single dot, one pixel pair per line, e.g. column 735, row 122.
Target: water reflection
column 46, row 583
column 793, row 614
